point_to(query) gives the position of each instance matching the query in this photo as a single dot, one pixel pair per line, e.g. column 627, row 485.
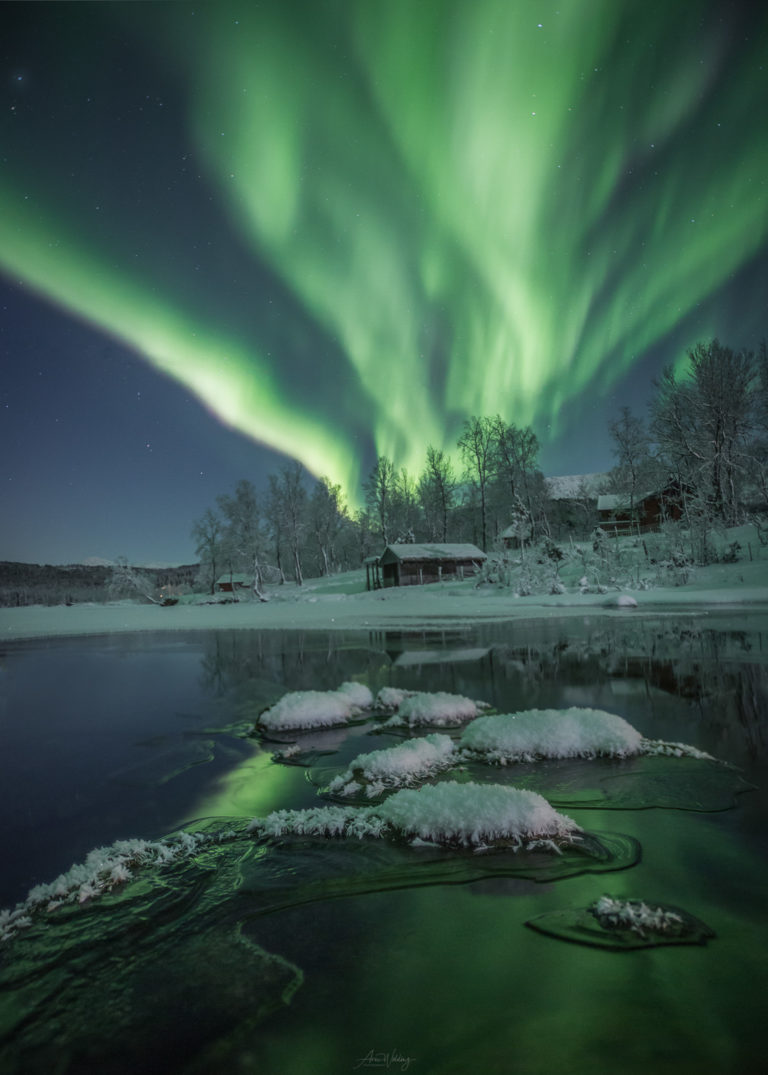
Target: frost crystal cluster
column 637, row 916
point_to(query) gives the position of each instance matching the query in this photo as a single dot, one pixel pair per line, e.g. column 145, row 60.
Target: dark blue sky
column 232, row 234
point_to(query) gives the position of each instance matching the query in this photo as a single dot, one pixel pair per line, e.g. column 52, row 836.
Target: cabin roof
column 621, row 501
column 617, row 501
column 431, row 552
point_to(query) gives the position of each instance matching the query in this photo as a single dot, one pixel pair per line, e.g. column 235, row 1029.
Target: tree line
column 297, row 527
column 24, row 584
column 707, row 431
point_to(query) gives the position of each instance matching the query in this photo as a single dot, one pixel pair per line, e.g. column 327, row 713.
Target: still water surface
column 332, row 957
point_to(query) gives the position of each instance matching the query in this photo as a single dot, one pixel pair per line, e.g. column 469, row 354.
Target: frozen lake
column 327, row 956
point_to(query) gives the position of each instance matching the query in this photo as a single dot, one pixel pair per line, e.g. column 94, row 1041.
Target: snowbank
column 412, row 607
column 316, row 709
column 396, row 767
column 435, row 708
column 551, row 733
column 466, row 814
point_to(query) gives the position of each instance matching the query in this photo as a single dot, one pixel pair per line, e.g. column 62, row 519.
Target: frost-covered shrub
column 550, row 550
column 731, row 553
column 497, row 570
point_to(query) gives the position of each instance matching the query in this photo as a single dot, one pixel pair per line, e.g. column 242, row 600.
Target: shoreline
column 398, row 609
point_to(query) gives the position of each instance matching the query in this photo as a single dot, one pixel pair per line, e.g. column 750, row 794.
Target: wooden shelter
column 650, row 510
column 232, row 581
column 416, row 565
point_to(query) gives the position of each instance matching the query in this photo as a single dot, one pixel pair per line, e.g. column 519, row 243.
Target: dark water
column 329, row 957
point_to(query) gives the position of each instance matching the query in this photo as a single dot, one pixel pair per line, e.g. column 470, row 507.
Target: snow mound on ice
column 436, row 709
column 396, row 767
column 551, row 733
column 475, row 814
column 466, row 814
column 358, row 694
column 316, row 709
column 391, row 697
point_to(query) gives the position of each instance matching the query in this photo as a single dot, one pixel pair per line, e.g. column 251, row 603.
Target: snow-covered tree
column 476, row 445
column 288, row 513
column 703, row 425
column 125, row 580
column 207, row 534
column 379, row 490
column 244, row 538
column 437, row 492
column 328, row 518
column 636, row 470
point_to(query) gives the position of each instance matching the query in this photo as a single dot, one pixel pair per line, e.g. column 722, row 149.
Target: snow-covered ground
column 414, row 607
column 341, row 603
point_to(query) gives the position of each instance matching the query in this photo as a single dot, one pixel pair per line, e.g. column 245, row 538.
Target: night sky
column 236, row 234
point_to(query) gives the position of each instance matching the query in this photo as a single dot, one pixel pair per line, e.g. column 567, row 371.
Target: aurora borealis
column 345, row 226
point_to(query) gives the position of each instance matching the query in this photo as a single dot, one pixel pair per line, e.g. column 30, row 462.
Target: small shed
column 650, row 510
column 416, row 565
column 515, row 535
column 232, row 581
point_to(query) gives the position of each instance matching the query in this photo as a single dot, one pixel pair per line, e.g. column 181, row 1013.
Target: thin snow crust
column 551, row 733
column 466, row 814
column 395, row 767
column 317, row 709
column 674, row 750
column 435, row 708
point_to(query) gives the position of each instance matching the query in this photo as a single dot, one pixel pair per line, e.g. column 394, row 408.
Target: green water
column 329, row 957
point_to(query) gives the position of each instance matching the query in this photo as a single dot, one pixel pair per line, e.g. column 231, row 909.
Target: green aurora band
column 485, row 206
